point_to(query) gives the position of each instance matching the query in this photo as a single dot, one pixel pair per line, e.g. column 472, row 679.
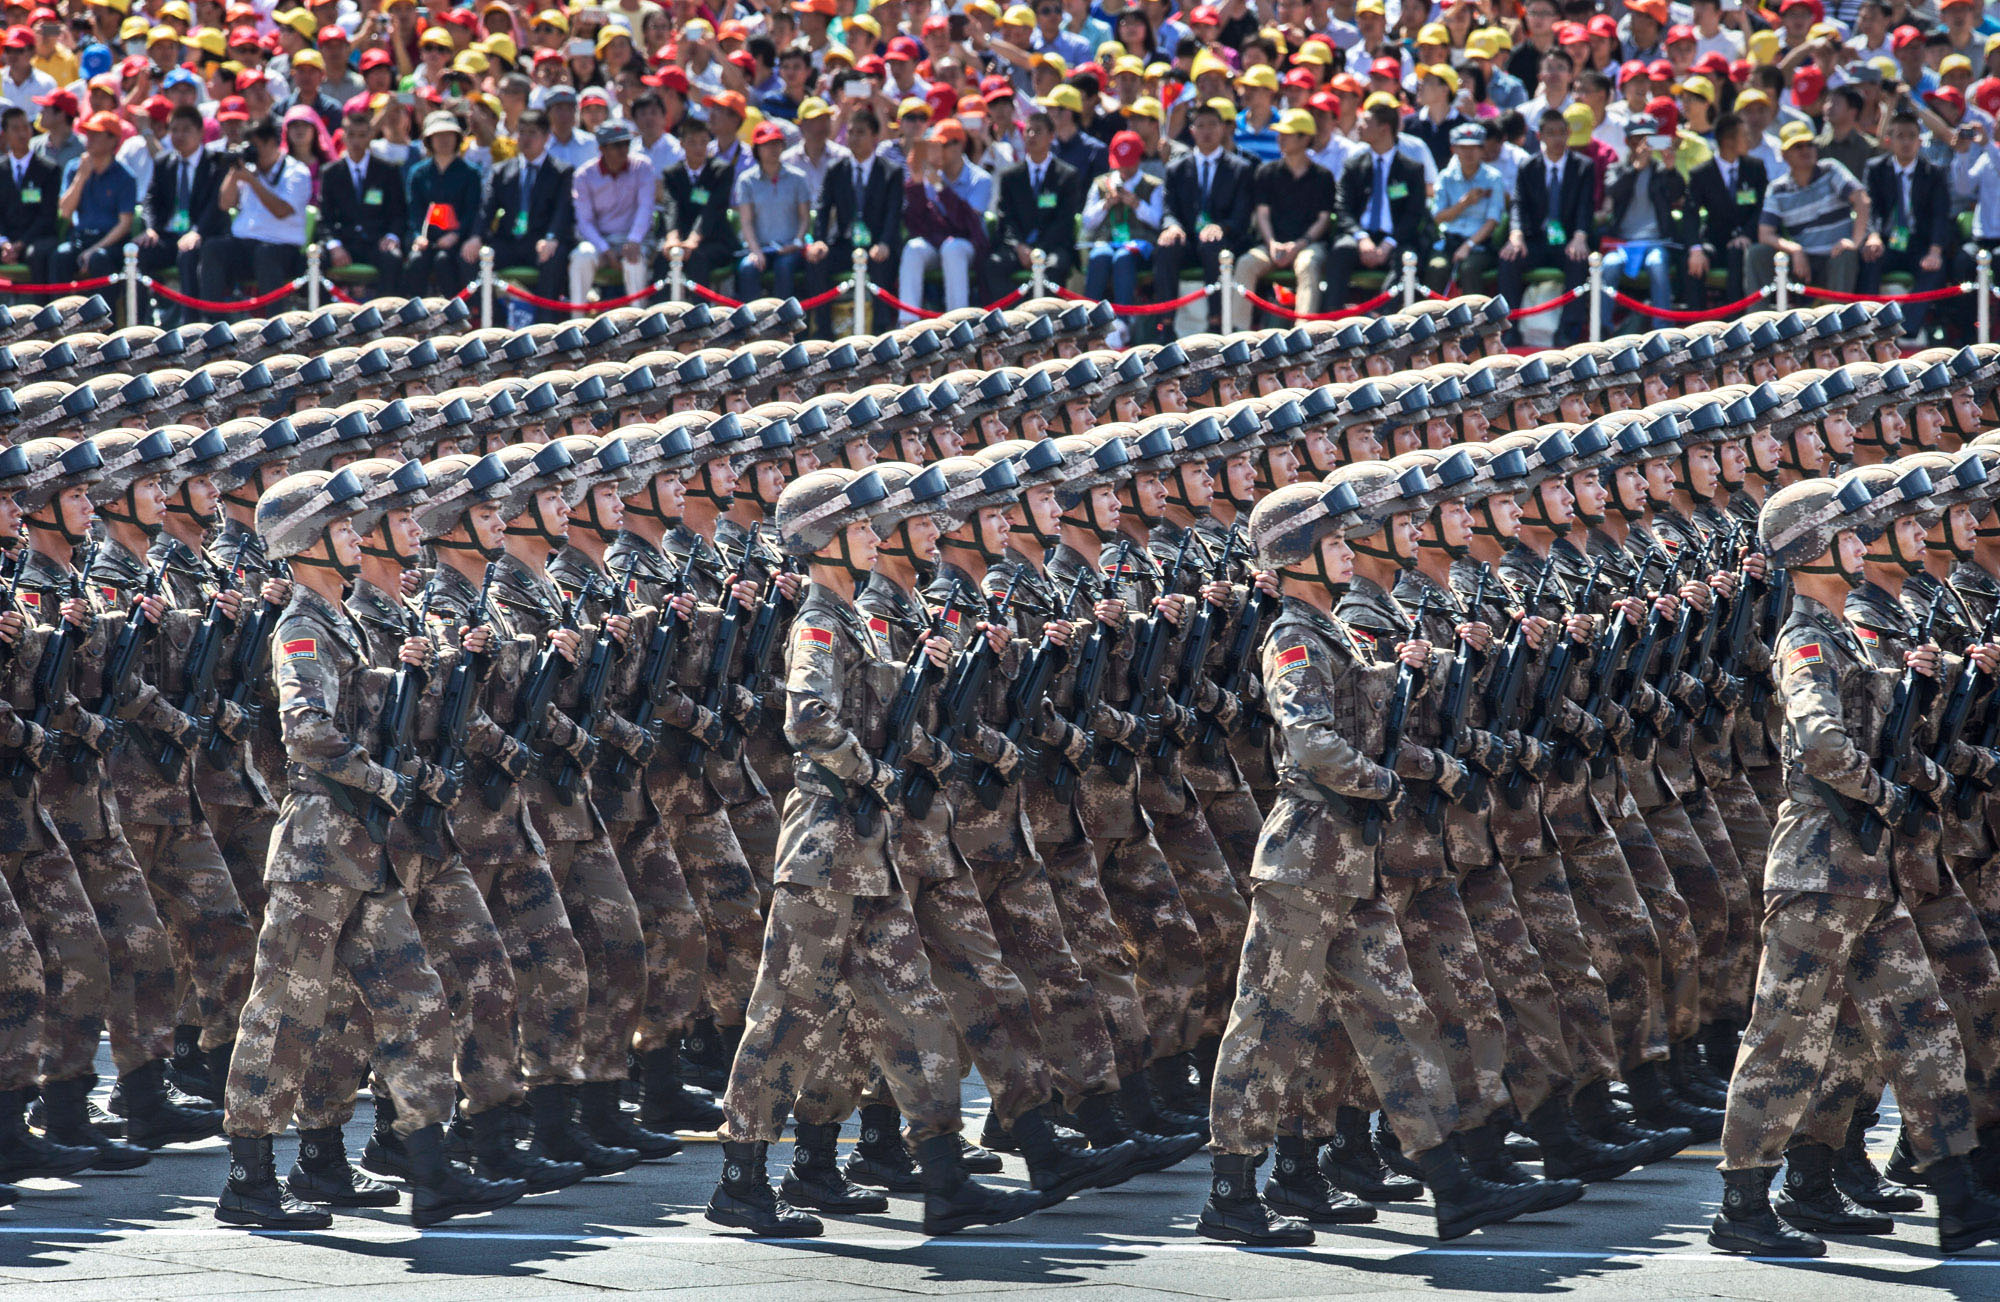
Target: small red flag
column 442, row 216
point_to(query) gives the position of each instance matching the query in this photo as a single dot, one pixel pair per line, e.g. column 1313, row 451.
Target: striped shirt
column 1816, row 214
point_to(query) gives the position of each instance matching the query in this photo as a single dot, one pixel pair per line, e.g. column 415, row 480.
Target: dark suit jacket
column 1357, row 195
column 1930, row 203
column 551, row 212
column 1722, row 217
column 1667, row 191
column 718, row 177
column 162, row 197
column 1023, row 220
column 1229, row 199
column 25, row 222
column 345, row 215
column 1575, row 207
column 880, row 208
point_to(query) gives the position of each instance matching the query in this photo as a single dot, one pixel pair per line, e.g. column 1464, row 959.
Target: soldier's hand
column 1488, row 751
column 746, row 593
column 476, row 641
column 277, row 591
column 1059, row 632
column 739, row 703
column 1476, row 634
column 1266, row 582
column 1535, row 631
column 683, row 605
column 1696, row 594
column 640, row 747
column 1756, row 566
column 997, row 636
column 437, row 785
column 399, row 794
column 567, row 642
column 1724, row 583
column 619, row 627
column 1416, row 653
column 1452, row 776
column 937, row 650
column 11, row 625
column 514, row 759
column 76, row 612
column 416, row 652
column 1111, row 724
column 410, row 583
column 1632, row 608
column 1987, row 656
column 882, row 780
column 232, row 721
column 1668, row 605
column 1923, row 659
column 1894, row 803
column 1393, row 802
column 1582, row 628
column 34, row 743
column 1110, row 611
column 1219, row 593
column 153, row 607
column 1529, row 755
column 230, row 602
column 790, row 585
column 1173, row 606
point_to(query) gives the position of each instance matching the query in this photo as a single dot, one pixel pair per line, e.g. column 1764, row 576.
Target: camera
column 245, row 155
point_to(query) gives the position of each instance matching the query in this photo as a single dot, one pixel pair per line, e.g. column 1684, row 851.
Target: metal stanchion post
column 132, row 286
column 1983, row 286
column 1596, row 298
column 1227, row 287
column 486, row 287
column 1781, row 267
column 677, row 274
column 1038, row 275
column 1409, row 280
column 860, row 326
column 313, row 256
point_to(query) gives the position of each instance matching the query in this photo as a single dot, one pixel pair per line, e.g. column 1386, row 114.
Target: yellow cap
column 1157, row 70
column 1819, row 31
column 1885, row 65
column 1314, row 52
column 300, row 21
column 1762, row 47
column 700, row 29
column 309, row 59
column 134, row 28
column 1107, row 51
column 606, row 35
column 1297, row 122
column 122, row 6
column 163, row 33
column 1954, row 63
column 987, row 7
column 555, row 18
column 1433, row 34
column 499, row 46
column 1794, row 133
column 1063, row 97
column 1261, row 77
column 1225, row 106
column 1502, row 38
column 1480, row 45
column 468, row 61
column 1444, row 72
column 1700, row 87
column 814, row 107
column 437, row 36
column 1752, row 96
column 1056, row 61
column 209, row 41
column 1581, row 123
column 1146, row 106
column 177, row 9
column 1018, row 16
column 488, row 101
column 1131, row 63
column 1384, row 99
column 836, row 51
column 912, row 107
column 1370, row 7
column 866, row 22
column 1206, row 62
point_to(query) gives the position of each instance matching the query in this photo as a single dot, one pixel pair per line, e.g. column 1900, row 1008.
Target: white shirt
column 666, row 153
column 579, row 149
column 22, row 94
column 293, row 184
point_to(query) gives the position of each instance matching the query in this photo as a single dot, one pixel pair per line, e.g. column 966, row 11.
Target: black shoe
column 384, row 1153
column 1174, row 1087
column 996, row 1138
column 66, row 1121
column 1902, row 1166
column 1811, row 1200
column 154, row 1121
column 1485, row 1151
column 105, row 1121
column 1135, row 1095
column 24, row 1155
column 1234, row 1213
column 1604, row 1119
column 1102, row 1120
column 1056, row 1171
column 1688, row 1078
column 559, row 1138
column 744, row 1200
column 1296, row 1188
column 1349, row 1161
column 1659, row 1108
column 1967, row 1214
column 1390, row 1149
column 610, row 1125
column 882, row 1160
column 1462, row 1201
column 1569, row 1154
column 441, row 1189
column 977, row 1160
column 188, row 1069
column 954, row 1201
column 702, row 1063
column 253, row 1196
column 218, row 1060
column 665, row 1101
column 496, row 1155
column 323, row 1174
column 1855, row 1174
column 815, row 1181
column 1719, row 1040
column 1747, row 1224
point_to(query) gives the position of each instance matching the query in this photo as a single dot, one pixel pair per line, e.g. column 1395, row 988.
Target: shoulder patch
column 878, row 626
column 29, row 597
column 301, row 648
column 1809, row 654
column 1293, row 657
column 109, row 593
column 1867, row 635
column 816, row 639
column 1363, row 639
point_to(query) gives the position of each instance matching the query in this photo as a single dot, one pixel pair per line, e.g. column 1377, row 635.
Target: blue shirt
column 1067, row 46
column 107, row 196
column 1504, row 90
column 1258, row 145
column 1453, row 186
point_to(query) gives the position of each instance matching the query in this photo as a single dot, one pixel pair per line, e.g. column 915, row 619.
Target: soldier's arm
column 1812, row 705
column 1301, row 701
column 812, row 703
column 308, row 690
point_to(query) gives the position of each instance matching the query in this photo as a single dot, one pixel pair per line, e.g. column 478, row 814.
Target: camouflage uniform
column 1972, row 845
column 755, row 816
column 239, row 797
column 334, row 904
column 1234, row 817
column 1321, row 932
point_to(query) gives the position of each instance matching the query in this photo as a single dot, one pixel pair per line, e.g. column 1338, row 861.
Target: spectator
column 1121, row 222
column 1842, row 140
column 1910, row 218
column 945, row 199
column 700, row 190
column 362, row 206
column 1436, row 117
column 1728, row 191
column 570, row 147
column 1295, row 199
column 1206, row 211
column 614, row 195
column 1469, row 207
column 656, row 136
column 269, row 189
column 774, row 211
column 1551, row 215
column 816, row 152
column 1816, row 213
column 22, row 84
column 1646, row 208
column 525, row 211
column 98, row 198
column 30, row 194
column 1040, row 200
column 443, row 210
column 1381, row 206
column 1070, row 142
column 181, row 208
column 860, row 207
column 307, row 140
column 1257, row 120
column 58, row 141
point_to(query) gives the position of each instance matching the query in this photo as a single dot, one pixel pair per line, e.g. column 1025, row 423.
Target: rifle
column 118, row 667
column 1642, row 659
column 1555, row 682
column 1776, row 597
column 1090, row 666
column 1704, row 645
column 656, row 676
column 1194, row 656
column 1740, row 615
column 1913, row 691
column 533, row 703
column 719, row 679
column 1457, row 691
column 248, row 667
column 12, row 570
column 1236, row 666
column 52, row 674
column 1507, row 683
column 461, row 688
column 917, row 675
column 596, row 676
column 1670, row 664
column 198, row 673
column 1399, row 713
column 1037, row 674
column 774, row 612
column 958, row 705
column 1603, row 670
column 399, row 720
column 1148, row 650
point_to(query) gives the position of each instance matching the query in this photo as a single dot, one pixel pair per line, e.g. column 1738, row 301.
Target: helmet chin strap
column 1090, row 521
column 1128, row 499
column 331, row 561
column 653, row 508
column 59, row 523
column 1433, row 537
column 184, row 503
column 540, row 528
column 896, row 544
column 844, row 558
column 471, row 544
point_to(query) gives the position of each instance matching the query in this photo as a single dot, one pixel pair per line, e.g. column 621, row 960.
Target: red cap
column 671, row 77
column 730, row 100
column 1807, row 82
column 361, row 105
column 1659, row 70
column 1679, row 32
column 377, row 58
column 159, row 108
column 243, row 36
column 250, row 77
column 1602, row 25
column 947, row 131
column 61, row 101
column 936, row 23
column 989, row 84
column 1571, row 34
column 904, row 48
column 1629, row 69
column 1302, row 79
column 136, row 65
column 1713, row 64
column 1653, row 9
column 767, row 133
column 1205, row 14
column 1387, row 67
column 1347, row 83
column 870, row 65
column 1739, row 70
column 942, row 99
column 1986, row 94
column 742, row 59
column 104, row 120
column 1325, row 101
column 1951, row 95
column 541, row 57
column 20, row 38
column 332, row 32
column 1127, row 149
column 1813, row 5
column 459, row 18
column 44, row 15
column 1904, row 37
column 1664, row 111
column 232, row 109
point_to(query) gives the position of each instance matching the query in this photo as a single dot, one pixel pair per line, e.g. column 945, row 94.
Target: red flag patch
column 29, row 598
column 816, row 639
column 1364, row 641
column 1868, row 635
column 109, row 593
column 1292, row 657
column 1809, row 654
column 301, row 648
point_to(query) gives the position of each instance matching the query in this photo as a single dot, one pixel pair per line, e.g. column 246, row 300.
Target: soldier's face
column 1034, row 426
column 1785, row 364
column 1573, row 407
column 1965, row 409
column 1929, row 425
column 1404, row 530
column 1345, row 370
column 1284, row 465
column 1766, row 450
column 1960, row 530
column 1454, row 525
column 609, row 507
column 1893, row 427
column 1587, row 491
column 1854, row 350
column 860, row 545
column 1557, row 503
column 1149, row 494
column 770, row 481
column 1620, row 399
column 1506, row 512
column 922, row 532
column 399, row 530
column 948, row 441
column 1762, row 370
column 1524, row 414
column 1125, row 407
column 1267, row 383
column 1695, row 382
column 77, row 512
column 1732, row 462
column 1104, row 506
column 1812, row 452
column 1197, row 486
column 484, row 524
column 1701, row 471
column 991, row 429
column 553, row 510
column 1838, row 432
column 860, row 453
column 805, row 461
column 1337, row 560
column 10, row 518
column 149, row 501
column 722, row 478
column 1474, row 425
column 344, row 543
column 1660, row 480
column 1438, row 432
column 1907, row 534
column 910, row 443
column 992, row 528
column 1655, row 389
column 1363, row 443
column 1042, row 509
column 1318, row 451
column 1242, row 475
column 1406, row 438
column 1849, row 552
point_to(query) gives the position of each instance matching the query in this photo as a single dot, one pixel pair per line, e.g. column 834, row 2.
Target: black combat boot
column 1747, row 1224
column 1296, row 1188
column 253, row 1196
column 1056, row 1171
column 1236, row 1214
column 496, row 1155
column 1719, row 1040
column 1854, row 1171
column 441, row 1189
column 218, row 1060
column 1691, row 1080
column 882, row 1160
column 1135, row 1094
column 1389, row 1147
column 954, row 1201
column 1462, row 1201
column 703, row 1063
column 1985, row 1159
column 323, row 1174
column 384, row 1153
column 1102, row 1121
column 815, row 1180
column 1485, row 1151
column 24, row 1155
column 66, row 1120
column 1659, row 1108
column 1174, row 1088
column 995, row 1137
column 978, row 1160
column 1604, row 1118
column 559, row 1138
column 744, row 1200
column 609, row 1124
column 1569, row 1154
column 1967, row 1214
column 1349, row 1161
column 188, row 1070
column 1902, row 1166
column 1811, row 1200
column 154, row 1121
column 665, row 1101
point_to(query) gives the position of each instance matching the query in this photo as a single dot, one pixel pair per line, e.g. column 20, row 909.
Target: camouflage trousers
column 1768, row 783
column 140, row 1013
column 818, row 941
column 1537, row 1064
column 1445, row 964
column 726, row 892
column 1725, row 984
column 76, row 964
column 243, row 834
column 1161, row 935
column 1236, row 821
column 311, row 932
column 1749, row 834
column 756, row 824
column 551, row 988
column 1980, row 879
column 1813, row 942
column 1623, row 945
column 211, row 932
column 1108, row 965
column 676, row 943
column 1677, row 1013
column 1548, row 908
column 1303, row 954
column 1208, row 888
column 606, row 924
column 23, row 988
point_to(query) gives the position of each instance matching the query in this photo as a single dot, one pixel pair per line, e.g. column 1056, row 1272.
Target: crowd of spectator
column 1129, row 141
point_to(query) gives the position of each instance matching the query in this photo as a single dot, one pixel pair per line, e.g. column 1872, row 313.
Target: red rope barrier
column 60, row 287
column 1357, row 310
column 1928, row 296
column 713, row 297
column 1000, row 304
column 558, row 305
column 1671, row 314
column 1560, row 300
column 203, row 305
column 1140, row 309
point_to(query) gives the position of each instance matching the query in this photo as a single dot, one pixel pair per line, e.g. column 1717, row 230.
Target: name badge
column 1556, row 233
column 520, row 225
column 698, row 196
column 372, row 196
column 1045, row 201
column 178, row 223
column 1746, row 196
column 1398, row 190
column 31, row 194
column 863, row 237
column 1899, row 239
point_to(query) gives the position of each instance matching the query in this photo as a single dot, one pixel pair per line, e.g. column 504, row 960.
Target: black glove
column 399, row 795
column 437, row 785
column 642, row 745
column 514, row 759
column 34, row 743
column 739, row 703
column 882, row 780
column 1530, row 755
column 1894, row 803
column 1452, row 776
column 1486, row 751
column 233, row 722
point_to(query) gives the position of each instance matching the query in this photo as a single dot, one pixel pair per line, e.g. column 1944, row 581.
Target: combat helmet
column 293, row 514
column 49, row 467
column 391, row 486
column 1287, row 525
column 457, row 483
column 816, row 509
column 129, row 456
column 532, row 467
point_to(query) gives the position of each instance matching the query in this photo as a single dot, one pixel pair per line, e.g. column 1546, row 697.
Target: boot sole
column 1185, row 1146
column 306, row 1193
column 253, row 1221
column 1363, row 1215
column 536, row 1185
column 1226, row 1234
column 1722, row 1241
column 1459, row 1228
column 433, row 1215
column 1588, row 1174
column 1892, row 1204
column 1371, row 1192
column 729, row 1220
column 49, row 1171
column 799, row 1196
column 1950, row 1243
column 1812, row 1223
column 940, row 1226
column 110, row 1159
column 193, row 1135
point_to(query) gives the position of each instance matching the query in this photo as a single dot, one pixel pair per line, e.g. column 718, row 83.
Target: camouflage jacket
column 1467, row 840
column 145, row 794
column 1378, row 623
column 1219, row 772
column 24, row 823
column 535, row 608
column 1000, row 834
column 231, row 781
column 896, row 620
column 764, row 739
column 732, row 777
column 1570, row 806
column 1109, row 808
column 385, row 621
column 267, row 751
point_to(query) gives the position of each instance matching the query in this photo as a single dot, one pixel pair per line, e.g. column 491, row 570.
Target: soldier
column 334, row 904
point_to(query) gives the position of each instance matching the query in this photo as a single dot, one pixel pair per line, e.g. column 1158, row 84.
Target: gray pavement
column 150, row 1234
